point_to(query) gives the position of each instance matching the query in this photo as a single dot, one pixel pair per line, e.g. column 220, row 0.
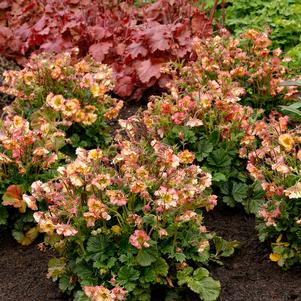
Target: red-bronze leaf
column 147, row 69
column 99, row 50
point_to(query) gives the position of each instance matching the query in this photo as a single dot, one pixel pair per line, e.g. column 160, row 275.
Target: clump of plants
column 61, row 103
column 133, row 212
column 66, row 92
column 275, row 164
column 134, row 40
column 282, row 18
column 205, row 110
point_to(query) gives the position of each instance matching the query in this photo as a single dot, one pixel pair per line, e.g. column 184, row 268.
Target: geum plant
column 64, row 91
column 61, row 102
column 204, row 110
column 26, row 155
column 134, row 213
column 274, row 160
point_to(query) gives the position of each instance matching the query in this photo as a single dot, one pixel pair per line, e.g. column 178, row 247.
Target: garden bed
column 248, row 275
column 162, row 166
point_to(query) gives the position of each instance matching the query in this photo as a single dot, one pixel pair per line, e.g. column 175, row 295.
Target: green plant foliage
column 282, row 18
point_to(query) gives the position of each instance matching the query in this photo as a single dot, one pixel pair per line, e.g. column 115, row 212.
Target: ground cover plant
column 132, row 214
column 206, row 112
column 275, row 163
column 135, row 41
column 58, row 100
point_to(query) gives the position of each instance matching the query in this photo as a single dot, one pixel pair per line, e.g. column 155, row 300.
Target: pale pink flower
column 211, row 202
column 98, row 208
column 281, row 167
column 66, row 230
column 55, row 101
column 101, row 181
column 138, row 186
column 139, row 239
column 167, row 198
column 203, row 229
column 117, row 197
column 38, row 189
column 162, row 232
column 135, row 219
column 98, row 293
column 118, row 293
column 187, row 216
column 30, row 202
column 203, row 245
column 186, row 103
column 178, row 117
column 71, row 107
column 269, row 216
column 194, row 122
column 294, row 192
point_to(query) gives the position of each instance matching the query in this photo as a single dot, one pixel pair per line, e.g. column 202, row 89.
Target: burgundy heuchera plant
column 135, row 41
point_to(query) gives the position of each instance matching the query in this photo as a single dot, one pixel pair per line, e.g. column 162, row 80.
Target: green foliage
column 200, row 282
column 283, row 18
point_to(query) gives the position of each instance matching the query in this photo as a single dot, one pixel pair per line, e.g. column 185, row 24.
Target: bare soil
column 23, row 273
column 249, row 274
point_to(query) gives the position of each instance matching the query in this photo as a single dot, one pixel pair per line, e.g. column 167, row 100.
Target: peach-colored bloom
column 186, row 157
column 139, row 239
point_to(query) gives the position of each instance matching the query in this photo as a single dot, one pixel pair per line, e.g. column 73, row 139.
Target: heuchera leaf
column 135, row 49
column 124, row 86
column 99, row 50
column 147, row 69
column 159, row 37
column 201, row 25
column 136, row 39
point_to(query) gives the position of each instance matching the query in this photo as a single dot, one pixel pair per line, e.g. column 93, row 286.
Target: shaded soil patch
column 23, row 273
column 249, row 274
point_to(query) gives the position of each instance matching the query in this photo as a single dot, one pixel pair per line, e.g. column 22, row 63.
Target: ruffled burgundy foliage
column 135, row 41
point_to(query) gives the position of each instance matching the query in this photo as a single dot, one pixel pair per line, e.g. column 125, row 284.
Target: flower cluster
column 242, row 68
column 61, row 102
column 74, row 88
column 25, row 147
column 142, row 195
column 275, row 163
column 164, row 184
column 100, row 293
